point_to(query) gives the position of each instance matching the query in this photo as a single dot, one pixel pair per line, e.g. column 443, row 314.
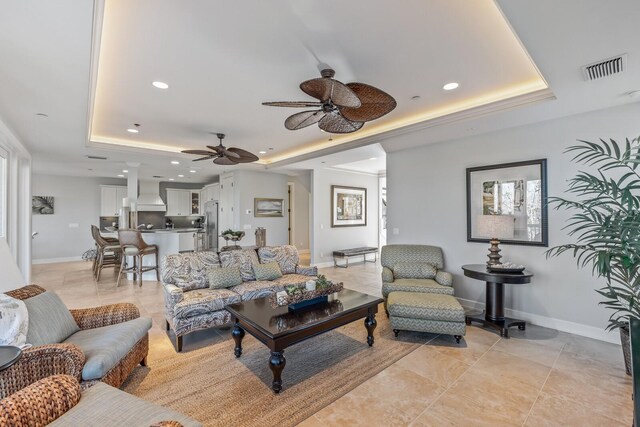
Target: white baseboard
column 323, row 264
column 55, row 260
column 550, row 322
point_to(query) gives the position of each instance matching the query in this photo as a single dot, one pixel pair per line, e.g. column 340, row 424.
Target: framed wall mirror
column 517, row 190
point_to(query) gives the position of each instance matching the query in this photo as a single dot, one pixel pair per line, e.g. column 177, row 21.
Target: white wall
column 301, row 203
column 76, row 201
column 427, row 203
column 249, row 185
column 326, row 239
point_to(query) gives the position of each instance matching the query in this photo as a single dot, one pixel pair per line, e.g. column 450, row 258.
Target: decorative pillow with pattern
column 244, row 259
column 224, row 277
column 414, row 270
column 186, row 283
column 193, row 266
column 286, row 256
column 269, row 271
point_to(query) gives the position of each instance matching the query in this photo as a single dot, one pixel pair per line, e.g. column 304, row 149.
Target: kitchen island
column 169, row 241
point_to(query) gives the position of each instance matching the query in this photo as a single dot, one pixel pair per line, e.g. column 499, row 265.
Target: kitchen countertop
column 162, row 230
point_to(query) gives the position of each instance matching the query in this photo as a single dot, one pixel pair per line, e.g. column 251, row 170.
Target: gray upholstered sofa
column 414, row 268
column 190, row 304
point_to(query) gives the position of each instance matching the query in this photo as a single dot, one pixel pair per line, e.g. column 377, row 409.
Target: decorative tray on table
column 298, row 298
column 506, row 267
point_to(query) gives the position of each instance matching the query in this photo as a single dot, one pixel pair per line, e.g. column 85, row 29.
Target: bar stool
column 132, row 244
column 107, row 252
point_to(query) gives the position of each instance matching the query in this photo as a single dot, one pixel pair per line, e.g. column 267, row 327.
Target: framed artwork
column 42, row 205
column 518, row 190
column 348, row 206
column 268, row 207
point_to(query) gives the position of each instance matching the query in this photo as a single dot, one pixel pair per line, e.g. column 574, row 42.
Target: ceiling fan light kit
column 342, row 108
column 222, row 155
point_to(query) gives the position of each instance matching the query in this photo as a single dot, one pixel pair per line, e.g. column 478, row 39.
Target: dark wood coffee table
column 278, row 328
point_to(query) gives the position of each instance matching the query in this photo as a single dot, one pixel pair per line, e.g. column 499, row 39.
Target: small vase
column 310, row 285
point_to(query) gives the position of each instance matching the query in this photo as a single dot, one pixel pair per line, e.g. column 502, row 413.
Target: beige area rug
column 212, row 386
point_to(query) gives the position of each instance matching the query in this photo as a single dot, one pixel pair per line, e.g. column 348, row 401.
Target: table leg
column 277, row 363
column 238, row 334
column 494, row 313
column 370, row 323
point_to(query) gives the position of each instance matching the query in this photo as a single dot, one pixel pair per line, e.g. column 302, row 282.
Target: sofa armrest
column 41, row 402
column 444, row 278
column 96, row 317
column 387, row 275
column 307, row 270
column 40, row 362
column 172, row 295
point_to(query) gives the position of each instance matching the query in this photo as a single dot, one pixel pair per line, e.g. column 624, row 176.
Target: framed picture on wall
column 348, row 206
column 42, row 205
column 268, row 207
column 514, row 190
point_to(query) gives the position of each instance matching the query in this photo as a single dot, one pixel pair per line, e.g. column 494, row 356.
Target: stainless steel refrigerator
column 211, row 225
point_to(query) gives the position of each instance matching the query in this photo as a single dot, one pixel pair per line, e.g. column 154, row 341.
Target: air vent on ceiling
column 605, row 68
column 96, row 158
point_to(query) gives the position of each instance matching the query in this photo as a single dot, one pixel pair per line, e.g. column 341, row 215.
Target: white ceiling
column 369, row 159
column 222, row 59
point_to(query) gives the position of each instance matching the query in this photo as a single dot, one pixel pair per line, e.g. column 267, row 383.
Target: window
column 3, row 192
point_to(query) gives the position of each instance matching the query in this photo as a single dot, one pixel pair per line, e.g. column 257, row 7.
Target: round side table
column 493, row 315
column 9, row 355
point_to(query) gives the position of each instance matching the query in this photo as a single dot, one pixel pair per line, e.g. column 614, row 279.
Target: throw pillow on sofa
column 242, row 258
column 186, row 283
column 224, row 277
column 50, row 321
column 268, row 271
column 414, row 270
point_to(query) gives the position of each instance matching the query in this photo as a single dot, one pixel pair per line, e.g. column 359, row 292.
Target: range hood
column 149, row 199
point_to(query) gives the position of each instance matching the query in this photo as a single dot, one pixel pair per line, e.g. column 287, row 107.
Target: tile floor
column 538, row 377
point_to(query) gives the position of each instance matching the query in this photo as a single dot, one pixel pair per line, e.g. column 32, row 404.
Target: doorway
column 290, row 212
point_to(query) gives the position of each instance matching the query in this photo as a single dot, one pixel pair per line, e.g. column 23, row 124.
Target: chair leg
column 100, row 265
column 167, row 326
column 143, row 362
column 458, row 338
column 179, row 343
column 157, row 267
column 140, row 270
column 93, row 265
column 122, row 267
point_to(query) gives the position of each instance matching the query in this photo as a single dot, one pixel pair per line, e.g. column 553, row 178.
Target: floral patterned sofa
column 190, row 304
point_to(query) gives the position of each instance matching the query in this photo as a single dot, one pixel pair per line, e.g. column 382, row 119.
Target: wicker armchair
column 42, row 361
column 59, row 400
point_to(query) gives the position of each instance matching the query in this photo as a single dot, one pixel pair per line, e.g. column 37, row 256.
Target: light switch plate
column 248, row 211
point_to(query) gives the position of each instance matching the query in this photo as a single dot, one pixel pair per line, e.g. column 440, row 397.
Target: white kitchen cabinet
column 111, row 199
column 211, row 192
column 178, row 202
column 186, row 242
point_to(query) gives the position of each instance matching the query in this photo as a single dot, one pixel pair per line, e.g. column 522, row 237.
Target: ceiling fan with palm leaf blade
column 342, row 108
column 222, row 155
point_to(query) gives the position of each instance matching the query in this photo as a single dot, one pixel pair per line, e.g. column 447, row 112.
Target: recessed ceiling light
column 170, row 179
column 450, row 86
column 120, row 176
column 132, row 130
column 180, row 176
column 160, row 85
column 125, row 171
column 192, row 171
column 175, row 162
column 372, row 158
column 262, row 152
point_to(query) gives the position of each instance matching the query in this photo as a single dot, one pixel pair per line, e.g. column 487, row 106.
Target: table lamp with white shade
column 495, row 227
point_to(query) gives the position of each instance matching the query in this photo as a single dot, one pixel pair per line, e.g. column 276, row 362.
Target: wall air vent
column 96, row 157
column 605, row 68
column 158, row 176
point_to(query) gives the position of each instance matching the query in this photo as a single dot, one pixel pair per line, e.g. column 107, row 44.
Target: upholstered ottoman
column 422, row 312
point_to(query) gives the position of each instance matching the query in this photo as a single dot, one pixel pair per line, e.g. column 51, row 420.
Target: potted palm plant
column 606, row 223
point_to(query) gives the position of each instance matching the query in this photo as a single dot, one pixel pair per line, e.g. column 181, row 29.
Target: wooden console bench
column 347, row 253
